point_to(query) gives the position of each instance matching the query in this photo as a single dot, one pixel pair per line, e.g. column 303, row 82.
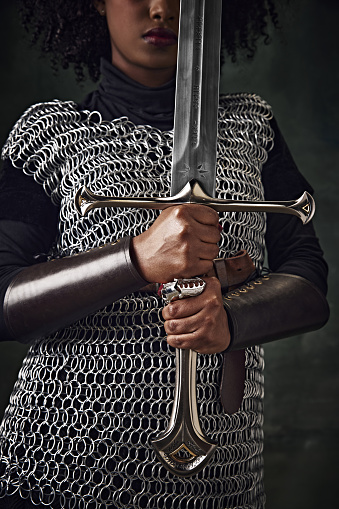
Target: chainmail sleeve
column 89, row 398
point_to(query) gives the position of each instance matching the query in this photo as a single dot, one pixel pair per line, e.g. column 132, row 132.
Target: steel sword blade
column 197, row 96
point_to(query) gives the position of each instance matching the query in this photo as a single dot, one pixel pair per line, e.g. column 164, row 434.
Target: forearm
column 274, row 307
column 48, row 296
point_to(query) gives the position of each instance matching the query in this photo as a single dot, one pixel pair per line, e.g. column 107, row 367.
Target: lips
column 160, row 37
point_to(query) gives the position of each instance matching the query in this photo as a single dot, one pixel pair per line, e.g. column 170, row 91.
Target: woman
column 97, row 383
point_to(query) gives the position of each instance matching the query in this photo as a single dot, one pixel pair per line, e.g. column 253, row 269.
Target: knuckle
column 214, row 281
column 215, row 303
column 185, row 236
column 175, row 341
column 181, row 211
column 170, row 326
column 213, row 290
column 214, row 287
column 215, row 251
column 186, row 248
column 166, row 312
column 173, row 309
column 213, row 215
column 208, row 325
column 169, row 311
column 185, row 268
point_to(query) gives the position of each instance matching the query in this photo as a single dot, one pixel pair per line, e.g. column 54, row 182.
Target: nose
column 164, row 10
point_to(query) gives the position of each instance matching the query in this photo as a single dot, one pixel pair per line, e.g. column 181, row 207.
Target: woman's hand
column 181, row 243
column 198, row 323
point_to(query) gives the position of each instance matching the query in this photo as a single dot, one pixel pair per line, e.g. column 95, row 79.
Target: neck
column 118, row 96
column 146, row 76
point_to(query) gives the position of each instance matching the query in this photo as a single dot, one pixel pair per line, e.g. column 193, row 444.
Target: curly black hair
column 74, row 33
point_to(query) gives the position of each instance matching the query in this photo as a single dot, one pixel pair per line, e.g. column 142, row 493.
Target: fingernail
column 220, row 228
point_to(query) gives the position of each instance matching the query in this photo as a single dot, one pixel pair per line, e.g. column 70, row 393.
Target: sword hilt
column 303, row 207
column 183, row 448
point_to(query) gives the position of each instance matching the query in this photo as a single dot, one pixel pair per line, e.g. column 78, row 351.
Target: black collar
column 119, row 96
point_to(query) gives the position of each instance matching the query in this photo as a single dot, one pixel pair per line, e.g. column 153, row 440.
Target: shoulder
column 247, row 118
column 245, row 103
column 35, row 144
column 34, row 126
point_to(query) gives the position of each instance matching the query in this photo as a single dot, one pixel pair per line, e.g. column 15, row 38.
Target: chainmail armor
column 88, row 399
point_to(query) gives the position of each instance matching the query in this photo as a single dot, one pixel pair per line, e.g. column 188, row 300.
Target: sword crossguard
column 303, row 207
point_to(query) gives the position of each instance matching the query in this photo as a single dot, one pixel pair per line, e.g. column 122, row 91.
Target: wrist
column 137, row 253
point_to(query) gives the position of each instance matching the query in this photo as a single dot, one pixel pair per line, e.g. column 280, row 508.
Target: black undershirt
column 28, row 219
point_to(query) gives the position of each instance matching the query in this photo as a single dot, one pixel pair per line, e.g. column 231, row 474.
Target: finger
column 182, row 308
column 183, row 326
column 201, row 333
column 200, row 322
column 206, row 215
column 190, row 260
column 183, row 341
column 200, row 267
column 208, row 233
column 198, row 343
column 192, row 247
column 200, row 213
column 207, row 251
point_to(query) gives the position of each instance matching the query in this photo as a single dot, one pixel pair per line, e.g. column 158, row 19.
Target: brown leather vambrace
column 273, row 307
column 48, row 296
column 264, row 309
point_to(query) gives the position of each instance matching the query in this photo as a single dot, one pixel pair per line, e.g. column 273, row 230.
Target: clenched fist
column 181, row 243
column 198, row 323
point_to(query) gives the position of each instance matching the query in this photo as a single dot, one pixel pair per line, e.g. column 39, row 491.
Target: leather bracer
column 49, row 296
column 274, row 307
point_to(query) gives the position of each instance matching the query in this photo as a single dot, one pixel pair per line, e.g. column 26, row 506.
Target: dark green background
column 298, row 75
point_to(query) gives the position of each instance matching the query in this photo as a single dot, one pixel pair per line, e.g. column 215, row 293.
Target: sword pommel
column 183, row 447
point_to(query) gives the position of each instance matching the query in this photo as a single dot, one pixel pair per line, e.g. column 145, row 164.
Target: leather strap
column 49, row 296
column 232, row 272
column 232, row 385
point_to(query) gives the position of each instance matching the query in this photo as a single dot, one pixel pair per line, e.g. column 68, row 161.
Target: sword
column 183, row 448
